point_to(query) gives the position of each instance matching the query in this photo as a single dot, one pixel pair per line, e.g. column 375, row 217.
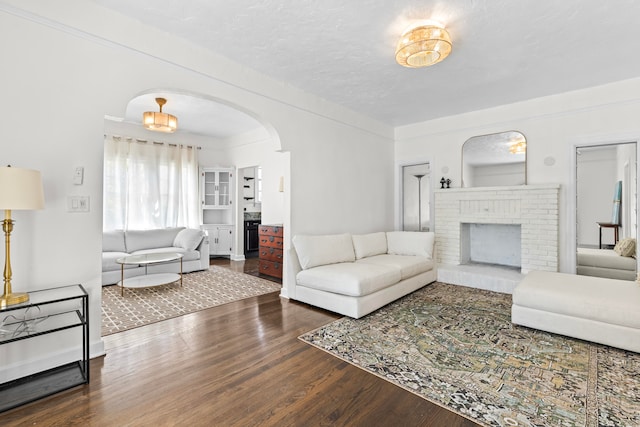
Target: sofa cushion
column 411, row 243
column 188, row 239
column 349, row 278
column 109, row 261
column 113, row 241
column 149, row 239
column 323, row 249
column 370, row 244
column 409, row 266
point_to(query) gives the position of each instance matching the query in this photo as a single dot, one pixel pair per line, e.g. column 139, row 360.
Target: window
column 149, row 185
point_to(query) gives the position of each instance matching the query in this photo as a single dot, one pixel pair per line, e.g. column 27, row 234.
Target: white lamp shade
column 20, row 189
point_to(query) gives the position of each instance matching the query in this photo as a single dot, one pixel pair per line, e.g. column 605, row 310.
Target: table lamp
column 19, row 189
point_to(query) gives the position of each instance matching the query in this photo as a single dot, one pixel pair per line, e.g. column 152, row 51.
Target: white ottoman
column 606, row 311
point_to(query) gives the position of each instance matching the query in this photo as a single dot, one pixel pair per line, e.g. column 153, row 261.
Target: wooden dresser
column 271, row 250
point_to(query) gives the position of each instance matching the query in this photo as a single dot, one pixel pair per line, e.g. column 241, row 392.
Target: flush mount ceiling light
column 423, row 44
column 161, row 122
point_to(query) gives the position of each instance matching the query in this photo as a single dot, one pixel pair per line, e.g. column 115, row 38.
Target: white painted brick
column 534, row 207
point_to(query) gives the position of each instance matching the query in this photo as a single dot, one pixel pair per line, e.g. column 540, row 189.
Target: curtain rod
column 145, row 141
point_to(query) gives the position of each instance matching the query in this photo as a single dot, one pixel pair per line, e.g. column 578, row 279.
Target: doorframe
column 399, row 209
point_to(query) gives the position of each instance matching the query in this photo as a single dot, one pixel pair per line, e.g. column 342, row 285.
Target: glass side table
column 48, row 311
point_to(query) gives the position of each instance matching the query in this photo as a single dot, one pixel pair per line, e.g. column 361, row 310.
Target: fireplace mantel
column 533, row 207
column 504, row 188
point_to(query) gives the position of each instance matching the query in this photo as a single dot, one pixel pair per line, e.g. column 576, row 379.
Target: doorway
column 251, row 180
column 416, row 194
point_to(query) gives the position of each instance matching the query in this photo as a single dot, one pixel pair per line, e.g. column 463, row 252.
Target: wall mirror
column 496, row 159
column 606, row 210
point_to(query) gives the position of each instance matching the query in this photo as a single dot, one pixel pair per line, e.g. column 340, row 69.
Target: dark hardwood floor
column 239, row 364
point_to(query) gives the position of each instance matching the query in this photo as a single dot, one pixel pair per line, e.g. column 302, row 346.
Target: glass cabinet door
column 209, row 188
column 216, row 188
column 224, row 188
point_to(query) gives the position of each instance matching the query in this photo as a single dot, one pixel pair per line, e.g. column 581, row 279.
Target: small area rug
column 200, row 290
column 456, row 347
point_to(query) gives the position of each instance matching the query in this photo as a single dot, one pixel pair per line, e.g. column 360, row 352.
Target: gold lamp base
column 12, row 299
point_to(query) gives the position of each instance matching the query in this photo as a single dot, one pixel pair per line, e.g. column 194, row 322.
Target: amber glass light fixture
column 519, row 147
column 422, row 45
column 161, row 122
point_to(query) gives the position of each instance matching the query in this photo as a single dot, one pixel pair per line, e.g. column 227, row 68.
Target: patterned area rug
column 200, row 290
column 456, row 347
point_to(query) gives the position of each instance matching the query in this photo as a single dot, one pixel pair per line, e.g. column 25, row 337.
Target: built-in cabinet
column 216, row 190
column 220, row 239
column 216, row 187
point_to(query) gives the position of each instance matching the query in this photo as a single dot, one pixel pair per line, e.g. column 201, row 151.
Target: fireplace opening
column 492, row 244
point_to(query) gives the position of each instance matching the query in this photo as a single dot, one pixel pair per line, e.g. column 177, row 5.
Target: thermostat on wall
column 78, row 175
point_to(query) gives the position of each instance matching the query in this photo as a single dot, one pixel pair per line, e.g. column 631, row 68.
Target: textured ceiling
column 504, row 51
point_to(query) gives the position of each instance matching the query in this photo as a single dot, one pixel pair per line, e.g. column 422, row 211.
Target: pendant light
column 159, row 121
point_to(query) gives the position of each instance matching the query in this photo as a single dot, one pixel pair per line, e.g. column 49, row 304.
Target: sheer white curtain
column 149, row 185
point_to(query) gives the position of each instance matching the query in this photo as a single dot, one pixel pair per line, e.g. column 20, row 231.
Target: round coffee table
column 148, row 280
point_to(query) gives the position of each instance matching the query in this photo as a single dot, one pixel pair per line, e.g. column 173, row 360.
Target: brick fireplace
column 534, row 208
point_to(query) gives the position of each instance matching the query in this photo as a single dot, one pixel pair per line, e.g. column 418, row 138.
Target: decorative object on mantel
column 161, row 122
column 20, row 189
column 456, row 346
column 442, row 182
column 448, row 181
column 423, row 44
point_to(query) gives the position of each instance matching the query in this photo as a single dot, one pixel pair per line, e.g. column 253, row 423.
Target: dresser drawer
column 271, row 254
column 271, row 230
column 270, row 268
column 271, row 242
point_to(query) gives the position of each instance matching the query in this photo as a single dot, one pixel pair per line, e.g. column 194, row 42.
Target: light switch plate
column 78, row 204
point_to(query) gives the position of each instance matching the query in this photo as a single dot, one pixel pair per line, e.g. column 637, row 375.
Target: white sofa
column 192, row 243
column 605, row 311
column 605, row 263
column 355, row 275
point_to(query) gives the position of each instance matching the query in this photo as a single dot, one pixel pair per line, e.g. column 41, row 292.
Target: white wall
column 68, row 65
column 262, row 152
column 596, row 178
column 552, row 125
